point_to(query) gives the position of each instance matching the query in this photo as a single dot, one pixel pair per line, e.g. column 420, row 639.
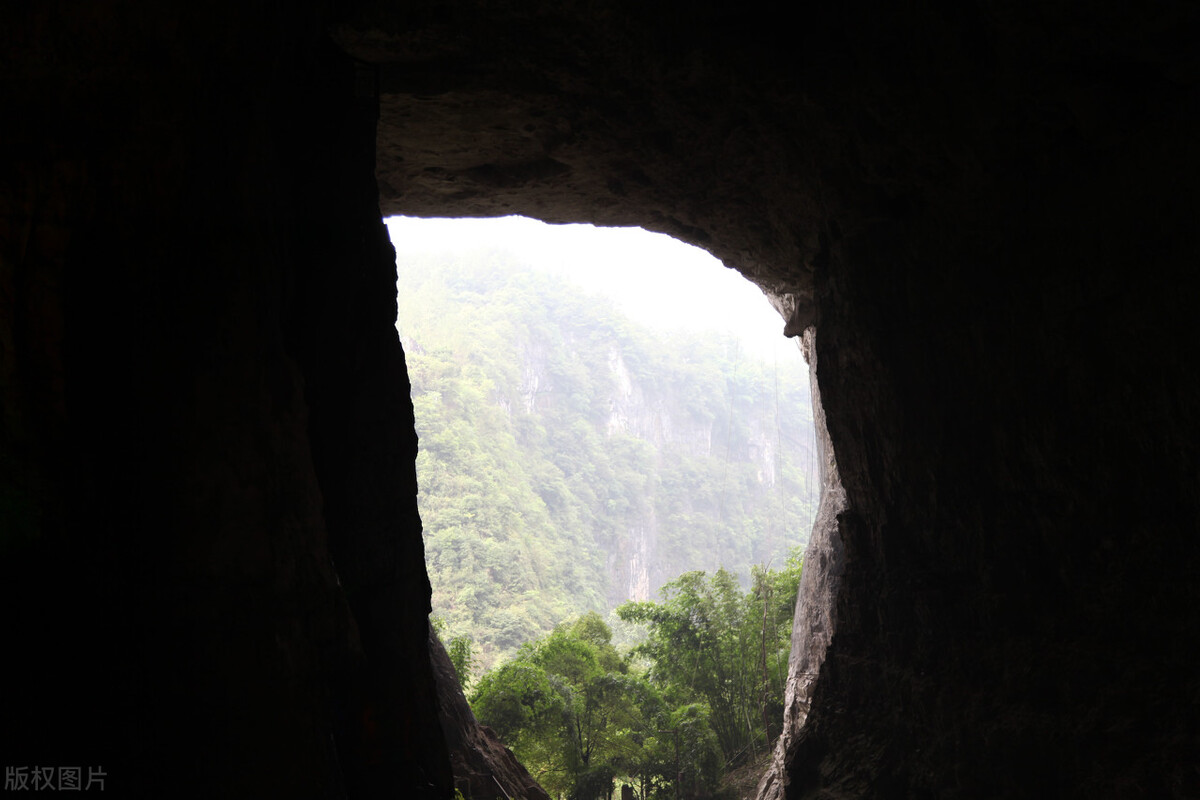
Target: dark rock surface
column 214, row 586
column 483, row 767
column 212, row 569
column 815, row 621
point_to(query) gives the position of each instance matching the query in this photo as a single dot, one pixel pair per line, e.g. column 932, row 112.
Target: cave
column 981, row 218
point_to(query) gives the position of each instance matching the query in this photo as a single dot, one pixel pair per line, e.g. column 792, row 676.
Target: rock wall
column 211, row 560
column 815, row 620
column 212, row 569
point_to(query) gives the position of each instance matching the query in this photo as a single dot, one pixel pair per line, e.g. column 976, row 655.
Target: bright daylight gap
column 602, row 415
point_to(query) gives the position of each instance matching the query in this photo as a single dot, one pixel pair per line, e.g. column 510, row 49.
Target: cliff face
column 639, row 560
column 986, row 211
column 655, row 416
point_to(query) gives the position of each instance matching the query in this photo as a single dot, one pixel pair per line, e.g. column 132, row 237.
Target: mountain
column 571, row 459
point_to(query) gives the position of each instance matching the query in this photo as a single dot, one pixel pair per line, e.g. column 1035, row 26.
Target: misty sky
column 658, row 281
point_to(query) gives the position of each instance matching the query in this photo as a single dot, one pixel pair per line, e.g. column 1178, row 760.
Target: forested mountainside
column 571, row 459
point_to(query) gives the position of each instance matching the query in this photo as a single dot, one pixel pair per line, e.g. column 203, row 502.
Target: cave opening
column 599, row 410
column 602, row 412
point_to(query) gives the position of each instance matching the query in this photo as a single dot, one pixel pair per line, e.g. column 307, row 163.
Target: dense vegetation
column 700, row 695
column 571, row 460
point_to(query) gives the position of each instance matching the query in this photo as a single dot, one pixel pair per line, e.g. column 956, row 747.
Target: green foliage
column 461, row 651
column 554, row 432
column 518, row 701
column 462, row 655
column 578, row 714
column 567, row 707
column 709, row 642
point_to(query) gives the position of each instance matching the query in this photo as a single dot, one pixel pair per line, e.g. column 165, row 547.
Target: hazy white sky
column 657, row 280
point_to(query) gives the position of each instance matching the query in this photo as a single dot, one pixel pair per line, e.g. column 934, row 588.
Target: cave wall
column 989, row 215
column 212, row 570
column 997, row 356
column 815, row 619
column 211, row 554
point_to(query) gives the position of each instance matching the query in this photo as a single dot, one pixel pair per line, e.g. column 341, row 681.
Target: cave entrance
column 598, row 411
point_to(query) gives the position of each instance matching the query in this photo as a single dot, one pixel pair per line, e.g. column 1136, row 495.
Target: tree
column 708, row 642
column 567, row 707
column 461, row 650
column 462, row 655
